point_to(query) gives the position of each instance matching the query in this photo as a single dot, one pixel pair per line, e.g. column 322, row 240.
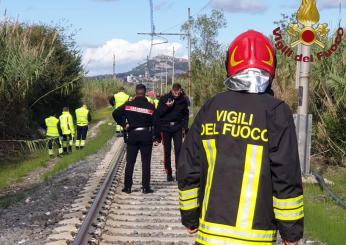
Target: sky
column 104, row 28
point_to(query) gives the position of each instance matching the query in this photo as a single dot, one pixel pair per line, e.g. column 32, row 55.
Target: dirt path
column 35, row 177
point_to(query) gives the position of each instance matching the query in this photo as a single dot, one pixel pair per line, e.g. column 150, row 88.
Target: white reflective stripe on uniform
column 188, row 205
column 236, row 232
column 288, row 203
column 188, row 194
column 208, row 239
column 249, row 189
column 210, row 150
column 289, row 215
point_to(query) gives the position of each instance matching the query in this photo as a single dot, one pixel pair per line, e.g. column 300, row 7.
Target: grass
column 12, row 172
column 105, row 133
column 102, row 114
column 324, row 220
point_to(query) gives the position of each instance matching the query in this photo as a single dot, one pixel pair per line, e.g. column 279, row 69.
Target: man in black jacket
column 138, row 118
column 174, row 119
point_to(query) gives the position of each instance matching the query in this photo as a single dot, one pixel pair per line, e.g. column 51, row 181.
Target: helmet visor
column 250, row 80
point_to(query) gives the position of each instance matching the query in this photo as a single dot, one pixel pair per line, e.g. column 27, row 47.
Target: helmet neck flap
column 250, row 80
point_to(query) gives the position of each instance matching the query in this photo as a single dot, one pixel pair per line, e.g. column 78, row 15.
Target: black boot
column 170, row 178
column 147, row 190
column 126, row 190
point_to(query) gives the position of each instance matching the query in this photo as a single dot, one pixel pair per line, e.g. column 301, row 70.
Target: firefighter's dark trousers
column 51, row 141
column 167, row 137
column 138, row 141
column 67, row 143
column 82, row 132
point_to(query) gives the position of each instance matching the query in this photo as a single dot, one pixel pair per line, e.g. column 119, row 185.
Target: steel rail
column 83, row 235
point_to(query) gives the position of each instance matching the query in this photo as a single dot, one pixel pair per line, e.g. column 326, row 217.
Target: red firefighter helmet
column 251, row 49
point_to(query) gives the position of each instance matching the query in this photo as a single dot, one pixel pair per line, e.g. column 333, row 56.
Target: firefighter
column 239, row 175
column 174, row 118
column 138, row 118
column 68, row 131
column 118, row 100
column 53, row 133
column 83, row 117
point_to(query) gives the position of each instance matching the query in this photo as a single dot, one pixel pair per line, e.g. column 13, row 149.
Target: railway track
column 119, row 218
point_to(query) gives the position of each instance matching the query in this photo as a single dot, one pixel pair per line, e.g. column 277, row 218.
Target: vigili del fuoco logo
column 308, row 32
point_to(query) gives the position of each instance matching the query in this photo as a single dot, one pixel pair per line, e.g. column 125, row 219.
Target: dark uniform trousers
column 167, row 137
column 66, row 142
column 52, row 140
column 82, row 132
column 138, row 141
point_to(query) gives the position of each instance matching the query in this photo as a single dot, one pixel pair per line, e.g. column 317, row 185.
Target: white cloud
column 247, row 6
column 328, row 4
column 99, row 60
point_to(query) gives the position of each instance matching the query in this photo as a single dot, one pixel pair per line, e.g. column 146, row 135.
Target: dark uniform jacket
column 138, row 113
column 176, row 117
column 239, row 174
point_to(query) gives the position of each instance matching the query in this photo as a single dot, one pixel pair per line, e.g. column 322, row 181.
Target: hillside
column 157, row 68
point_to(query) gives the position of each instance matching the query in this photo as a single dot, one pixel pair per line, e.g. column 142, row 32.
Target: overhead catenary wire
column 195, row 14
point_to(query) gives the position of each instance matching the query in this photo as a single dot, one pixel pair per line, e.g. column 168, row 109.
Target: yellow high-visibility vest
column 52, row 126
column 82, row 116
column 120, row 99
column 66, row 123
column 156, row 103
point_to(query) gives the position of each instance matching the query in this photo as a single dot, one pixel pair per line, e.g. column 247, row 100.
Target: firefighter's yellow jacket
column 239, row 174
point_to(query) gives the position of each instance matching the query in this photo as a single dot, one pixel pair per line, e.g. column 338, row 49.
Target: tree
column 40, row 72
column 208, row 55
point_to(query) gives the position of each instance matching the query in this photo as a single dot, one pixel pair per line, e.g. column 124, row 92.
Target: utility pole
column 188, row 35
column 189, row 53
column 166, row 73
column 303, row 119
column 173, row 68
column 161, row 70
column 114, row 75
column 303, row 105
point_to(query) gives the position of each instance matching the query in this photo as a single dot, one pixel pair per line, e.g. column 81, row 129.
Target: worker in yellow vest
column 68, row 131
column 53, row 132
column 118, row 100
column 83, row 118
column 156, row 103
column 150, row 100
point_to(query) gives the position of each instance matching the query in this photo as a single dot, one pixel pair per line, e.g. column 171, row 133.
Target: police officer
column 138, row 118
column 53, row 133
column 239, row 174
column 174, row 119
column 118, row 100
column 67, row 128
column 83, row 117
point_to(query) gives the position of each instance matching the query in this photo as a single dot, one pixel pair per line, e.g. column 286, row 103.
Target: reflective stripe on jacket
column 52, row 126
column 82, row 116
column 120, row 99
column 66, row 123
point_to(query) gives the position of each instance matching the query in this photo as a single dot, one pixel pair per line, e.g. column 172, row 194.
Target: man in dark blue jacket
column 174, row 119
